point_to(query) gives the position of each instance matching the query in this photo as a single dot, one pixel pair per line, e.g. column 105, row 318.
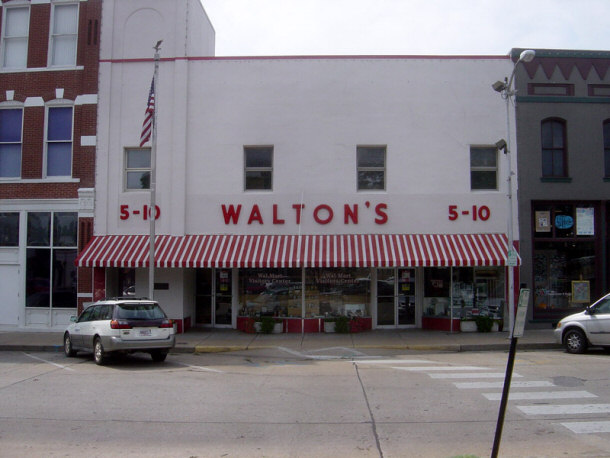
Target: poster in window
column 580, row 292
column 543, row 221
column 585, row 219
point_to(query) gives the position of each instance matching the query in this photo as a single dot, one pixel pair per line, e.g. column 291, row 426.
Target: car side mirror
column 589, row 311
column 73, row 319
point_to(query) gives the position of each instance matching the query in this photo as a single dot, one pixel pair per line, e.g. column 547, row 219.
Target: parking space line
column 49, row 362
column 201, row 368
column 569, row 409
column 482, row 385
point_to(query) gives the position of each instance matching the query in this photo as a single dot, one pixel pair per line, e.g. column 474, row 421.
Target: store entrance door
column 395, row 297
column 213, row 297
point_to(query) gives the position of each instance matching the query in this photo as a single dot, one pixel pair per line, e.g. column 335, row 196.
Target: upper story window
column 371, row 167
column 607, row 148
column 11, row 121
column 258, row 169
column 554, row 149
column 64, row 34
column 15, row 29
column 483, row 168
column 137, row 168
column 59, row 141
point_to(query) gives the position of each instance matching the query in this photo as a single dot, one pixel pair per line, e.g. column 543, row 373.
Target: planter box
column 329, row 326
column 468, row 326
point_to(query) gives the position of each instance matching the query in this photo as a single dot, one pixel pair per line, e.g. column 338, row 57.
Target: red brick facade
column 37, row 85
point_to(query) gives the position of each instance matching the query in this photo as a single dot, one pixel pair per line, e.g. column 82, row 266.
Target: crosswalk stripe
column 473, row 375
column 394, row 361
column 442, row 368
column 485, row 385
column 588, row 427
column 520, row 396
column 567, row 409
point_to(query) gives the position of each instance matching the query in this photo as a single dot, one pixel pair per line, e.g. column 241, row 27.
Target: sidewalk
column 219, row 340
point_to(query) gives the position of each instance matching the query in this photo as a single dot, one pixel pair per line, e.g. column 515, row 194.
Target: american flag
column 147, row 126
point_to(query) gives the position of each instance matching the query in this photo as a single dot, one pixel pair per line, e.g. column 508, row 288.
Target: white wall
column 314, row 111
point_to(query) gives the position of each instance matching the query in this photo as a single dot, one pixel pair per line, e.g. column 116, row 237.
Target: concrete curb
column 456, row 348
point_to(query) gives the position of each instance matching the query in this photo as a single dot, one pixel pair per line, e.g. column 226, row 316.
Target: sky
column 406, row 27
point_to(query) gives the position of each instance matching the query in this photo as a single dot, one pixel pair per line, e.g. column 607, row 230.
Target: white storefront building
column 297, row 187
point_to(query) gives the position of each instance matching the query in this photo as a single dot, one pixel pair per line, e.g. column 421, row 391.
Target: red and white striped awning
column 271, row 251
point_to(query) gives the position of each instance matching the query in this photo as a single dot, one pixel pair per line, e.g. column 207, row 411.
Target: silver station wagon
column 120, row 326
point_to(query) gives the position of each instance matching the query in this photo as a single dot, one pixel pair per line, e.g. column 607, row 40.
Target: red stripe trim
column 295, row 251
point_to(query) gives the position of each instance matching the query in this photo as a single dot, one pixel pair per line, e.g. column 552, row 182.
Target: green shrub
column 267, row 324
column 484, row 323
column 342, row 325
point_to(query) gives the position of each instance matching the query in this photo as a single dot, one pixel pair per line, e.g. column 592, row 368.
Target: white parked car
column 588, row 328
column 120, row 325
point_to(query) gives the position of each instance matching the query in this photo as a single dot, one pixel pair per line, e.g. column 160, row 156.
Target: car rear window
column 139, row 311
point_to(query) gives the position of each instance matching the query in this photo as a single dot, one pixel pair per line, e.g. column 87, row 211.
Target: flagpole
column 153, row 181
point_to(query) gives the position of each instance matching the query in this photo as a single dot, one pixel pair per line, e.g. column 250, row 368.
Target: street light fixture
column 505, row 88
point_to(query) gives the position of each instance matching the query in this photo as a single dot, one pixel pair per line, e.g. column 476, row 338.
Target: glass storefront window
column 437, row 291
column 337, row 292
column 51, row 251
column 556, row 265
column 472, row 291
column 270, row 292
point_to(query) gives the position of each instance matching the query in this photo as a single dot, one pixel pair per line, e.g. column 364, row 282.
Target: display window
column 464, row 292
column 565, row 261
column 337, row 292
column 270, row 292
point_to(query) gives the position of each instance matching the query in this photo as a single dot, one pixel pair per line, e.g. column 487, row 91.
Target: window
column 371, row 167
column 15, row 37
column 9, row 229
column 554, row 148
column 51, row 252
column 10, row 142
column 258, row 170
column 64, row 32
column 483, row 167
column 59, row 141
column 137, row 168
column 607, row 148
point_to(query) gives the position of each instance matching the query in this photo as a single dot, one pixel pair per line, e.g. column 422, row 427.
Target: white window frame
column 127, row 169
column 17, row 38
column 495, row 169
column 383, row 169
column 60, row 103
column 55, row 36
column 258, row 169
column 15, row 106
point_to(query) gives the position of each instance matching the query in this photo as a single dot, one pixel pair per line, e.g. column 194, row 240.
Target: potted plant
column 342, row 324
column 484, row 323
column 329, row 324
column 468, row 325
column 268, row 325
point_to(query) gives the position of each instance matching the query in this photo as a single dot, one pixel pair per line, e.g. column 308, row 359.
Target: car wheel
column 99, row 355
column 158, row 356
column 575, row 341
column 68, row 350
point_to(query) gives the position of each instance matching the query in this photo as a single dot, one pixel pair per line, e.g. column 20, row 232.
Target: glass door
column 386, row 298
column 203, row 297
column 406, row 297
column 213, row 297
column 222, row 296
column 395, row 297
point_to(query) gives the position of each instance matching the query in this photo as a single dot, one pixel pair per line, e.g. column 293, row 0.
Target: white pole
column 153, row 181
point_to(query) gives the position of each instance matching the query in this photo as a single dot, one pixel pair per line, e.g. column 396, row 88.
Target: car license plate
column 144, row 332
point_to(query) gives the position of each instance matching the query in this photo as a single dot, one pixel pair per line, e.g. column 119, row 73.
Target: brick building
column 49, row 60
